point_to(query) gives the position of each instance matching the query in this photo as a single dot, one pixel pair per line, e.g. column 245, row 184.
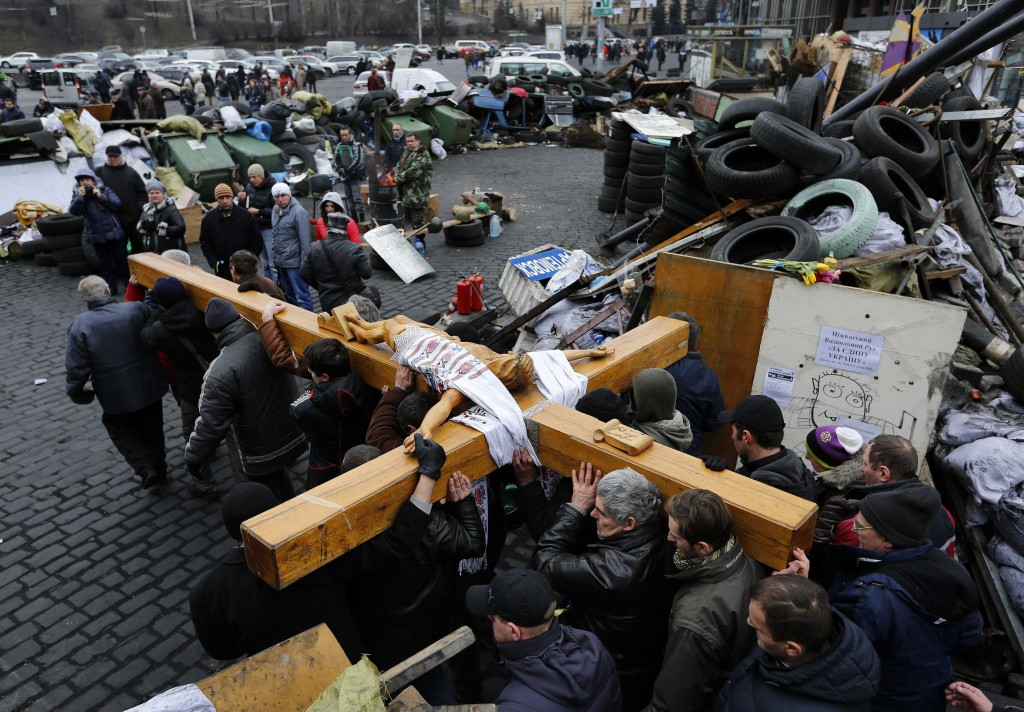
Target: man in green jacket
column 413, row 174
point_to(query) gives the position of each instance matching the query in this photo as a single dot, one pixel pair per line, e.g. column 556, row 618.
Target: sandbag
column 171, row 179
column 81, row 134
column 988, row 467
column 1010, row 561
column 182, row 124
column 231, row 118
column 1003, row 418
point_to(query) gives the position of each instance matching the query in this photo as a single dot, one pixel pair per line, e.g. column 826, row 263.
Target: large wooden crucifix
column 310, row 530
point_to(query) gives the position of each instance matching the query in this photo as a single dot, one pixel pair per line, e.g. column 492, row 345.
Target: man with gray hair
column 615, row 584
column 104, row 346
column 698, row 395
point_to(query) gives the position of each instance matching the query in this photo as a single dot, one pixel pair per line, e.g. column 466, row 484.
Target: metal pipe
column 623, row 235
column 1000, row 34
column 938, row 55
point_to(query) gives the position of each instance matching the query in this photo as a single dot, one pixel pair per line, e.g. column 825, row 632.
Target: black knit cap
column 219, row 314
column 245, row 501
column 902, row 515
column 603, row 404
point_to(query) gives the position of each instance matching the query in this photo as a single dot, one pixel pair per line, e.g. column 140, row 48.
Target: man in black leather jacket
column 335, row 266
column 616, row 585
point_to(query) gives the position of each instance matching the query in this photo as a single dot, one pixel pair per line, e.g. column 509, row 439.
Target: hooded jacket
column 336, row 267
column 784, row 470
column 242, row 390
column 708, row 632
column 617, row 590
column 561, row 670
column 291, row 235
column 654, row 395
column 100, row 210
column 413, row 175
column 916, row 606
column 351, row 228
column 104, row 345
column 844, row 678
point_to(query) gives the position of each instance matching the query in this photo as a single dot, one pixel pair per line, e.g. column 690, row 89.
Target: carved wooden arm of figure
column 577, row 354
column 436, row 417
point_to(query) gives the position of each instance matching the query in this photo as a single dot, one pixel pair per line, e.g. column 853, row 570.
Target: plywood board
column 730, row 303
column 911, row 339
column 287, row 677
column 768, row 521
column 398, row 252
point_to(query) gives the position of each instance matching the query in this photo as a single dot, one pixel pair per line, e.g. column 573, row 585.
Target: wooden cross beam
column 300, row 535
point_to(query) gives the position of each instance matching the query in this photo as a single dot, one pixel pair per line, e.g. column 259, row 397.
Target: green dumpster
column 201, row 164
column 452, row 126
column 247, row 150
column 410, row 124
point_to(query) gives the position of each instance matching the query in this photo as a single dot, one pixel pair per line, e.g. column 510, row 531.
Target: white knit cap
column 280, row 189
column 850, row 439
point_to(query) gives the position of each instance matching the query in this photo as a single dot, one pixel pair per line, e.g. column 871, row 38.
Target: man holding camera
column 99, row 206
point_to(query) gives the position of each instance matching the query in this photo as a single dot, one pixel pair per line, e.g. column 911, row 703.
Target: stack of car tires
column 62, row 246
column 686, row 198
column 616, row 165
column 645, row 179
column 467, row 234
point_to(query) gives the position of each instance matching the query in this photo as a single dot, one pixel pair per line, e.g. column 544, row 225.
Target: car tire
column 30, row 248
column 20, row 127
column 893, row 189
column 648, row 149
column 607, row 205
column 596, row 87
column 884, row 131
column 635, row 180
column 576, row 90
column 647, row 169
column 794, row 143
column 350, row 71
column 678, row 106
column 469, row 234
column 647, row 159
column 805, row 103
column 839, row 129
column 849, row 166
column 842, row 243
column 779, row 238
column 642, row 206
column 706, row 146
column 929, row 92
column 65, row 224
column 968, row 136
column 615, row 145
column 167, row 95
column 742, row 169
column 55, row 243
column 615, row 172
column 70, row 254
column 44, row 259
column 746, row 110
column 301, row 151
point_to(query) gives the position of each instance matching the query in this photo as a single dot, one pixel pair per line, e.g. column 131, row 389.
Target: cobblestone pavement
column 94, row 572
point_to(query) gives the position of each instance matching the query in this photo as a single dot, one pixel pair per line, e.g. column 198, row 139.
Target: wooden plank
column 429, row 658
column 299, row 326
column 842, row 63
column 287, row 677
column 897, row 254
column 730, row 303
column 304, row 533
column 768, row 521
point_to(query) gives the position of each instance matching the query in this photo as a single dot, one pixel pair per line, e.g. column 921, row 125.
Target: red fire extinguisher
column 477, row 284
column 463, row 296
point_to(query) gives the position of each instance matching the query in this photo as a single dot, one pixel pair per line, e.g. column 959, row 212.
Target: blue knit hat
column 168, row 291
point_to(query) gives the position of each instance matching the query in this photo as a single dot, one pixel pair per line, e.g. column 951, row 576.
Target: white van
column 205, row 54
column 435, row 83
column 334, row 48
column 525, row 66
column 66, row 87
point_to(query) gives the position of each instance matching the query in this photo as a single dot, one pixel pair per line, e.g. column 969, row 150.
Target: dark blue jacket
column 916, row 605
column 563, row 670
column 13, row 114
column 844, row 678
column 100, row 211
column 104, row 344
column 698, row 397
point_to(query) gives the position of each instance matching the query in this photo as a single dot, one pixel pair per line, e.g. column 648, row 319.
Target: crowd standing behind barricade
column 630, row 602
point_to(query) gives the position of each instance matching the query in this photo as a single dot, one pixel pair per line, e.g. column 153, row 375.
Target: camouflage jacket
column 413, row 174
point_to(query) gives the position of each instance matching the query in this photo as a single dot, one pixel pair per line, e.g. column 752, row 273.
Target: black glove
column 194, row 468
column 86, row 396
column 714, row 463
column 431, row 457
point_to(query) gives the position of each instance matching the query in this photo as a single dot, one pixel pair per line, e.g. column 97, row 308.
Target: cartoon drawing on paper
column 842, row 399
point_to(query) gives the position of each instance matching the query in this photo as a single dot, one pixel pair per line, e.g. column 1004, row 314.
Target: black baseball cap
column 759, row 413
column 520, row 596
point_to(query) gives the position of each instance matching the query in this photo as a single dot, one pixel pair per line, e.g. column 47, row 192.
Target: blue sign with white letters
column 541, row 265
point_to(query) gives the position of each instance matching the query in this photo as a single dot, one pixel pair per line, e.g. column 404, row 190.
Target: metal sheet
column 656, row 125
column 401, row 256
column 978, row 115
column 41, row 180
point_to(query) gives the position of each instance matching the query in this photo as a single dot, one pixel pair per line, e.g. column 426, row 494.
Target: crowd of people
column 632, row 601
column 644, row 50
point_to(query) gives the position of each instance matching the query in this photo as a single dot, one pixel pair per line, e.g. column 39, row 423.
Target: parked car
column 33, row 68
column 68, row 59
column 525, row 66
column 547, row 54
column 232, row 65
column 152, row 54
column 318, row 51
column 511, row 52
column 376, row 58
column 312, row 64
column 169, row 89
column 115, row 62
column 237, row 53
column 463, row 47
column 346, row 63
column 424, row 51
column 66, row 87
column 17, row 59
column 359, row 88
